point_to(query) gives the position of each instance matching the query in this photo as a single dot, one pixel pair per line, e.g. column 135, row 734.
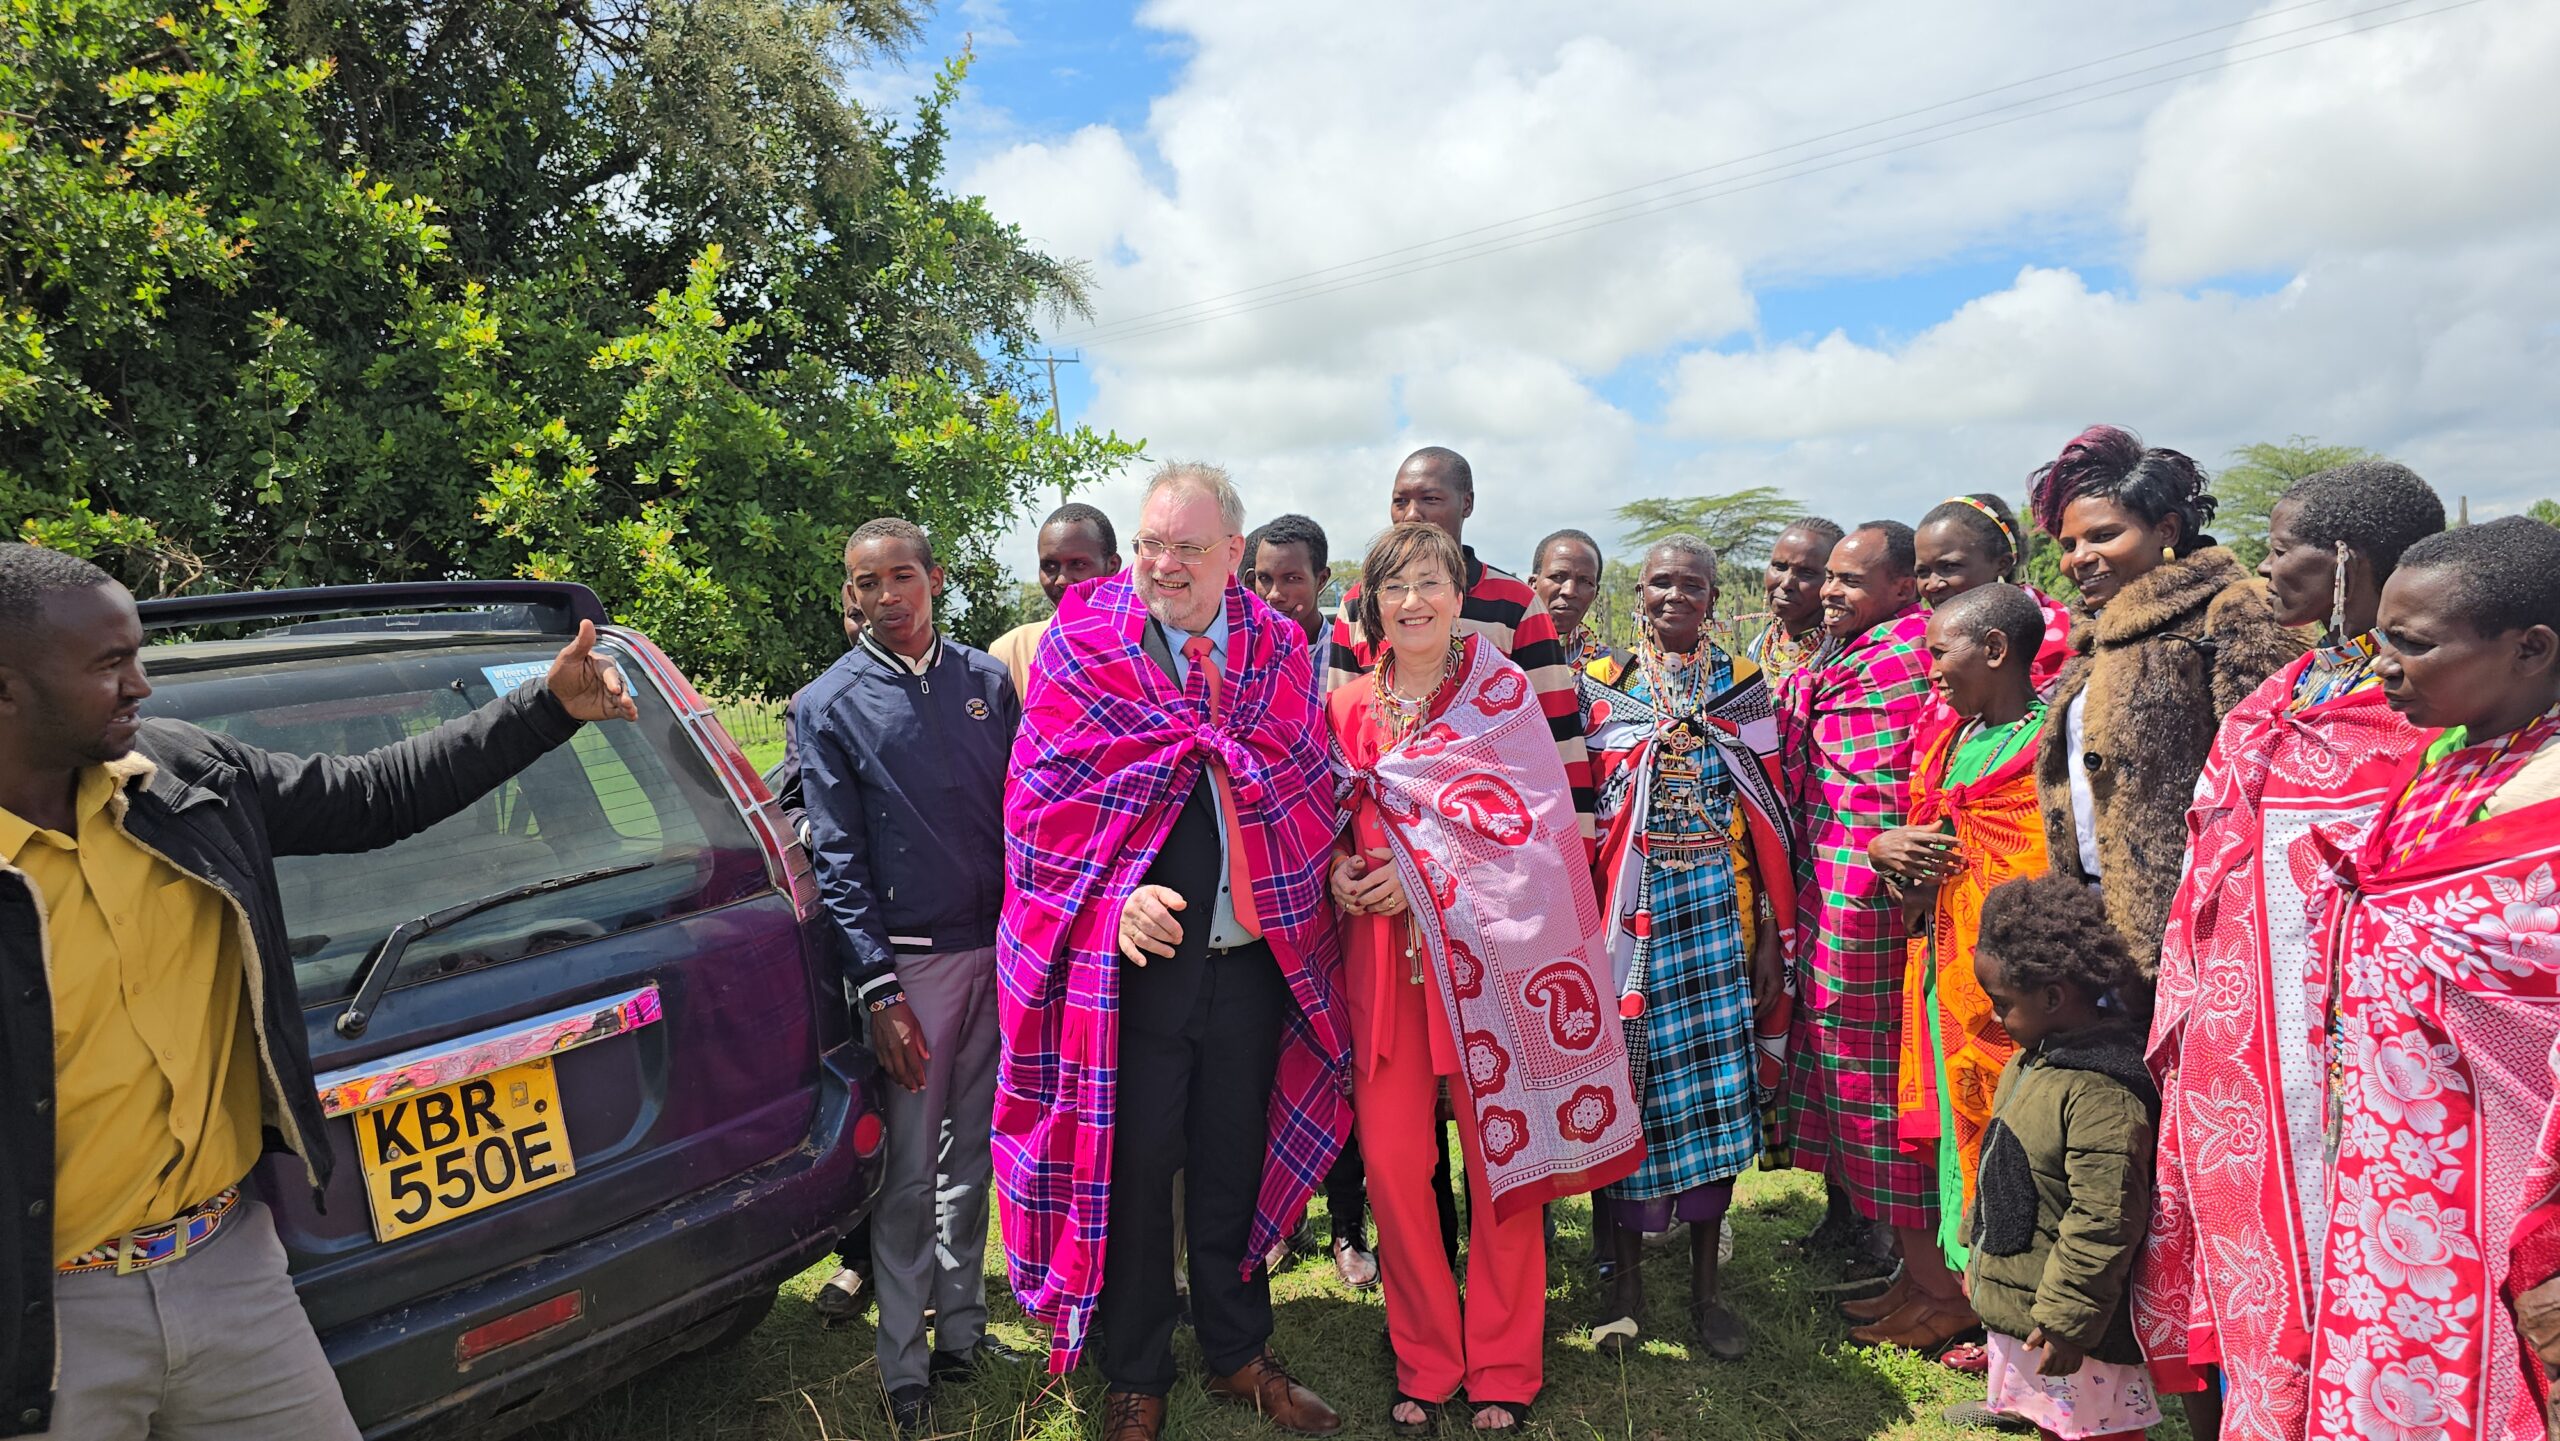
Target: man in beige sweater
column 1076, row 543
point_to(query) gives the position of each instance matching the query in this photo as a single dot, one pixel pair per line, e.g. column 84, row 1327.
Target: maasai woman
column 1972, row 540
column 1973, row 825
column 2242, row 1084
column 1694, row 875
column 1565, row 572
column 2443, row 1003
column 1791, row 632
column 2173, row 634
column 1473, row 951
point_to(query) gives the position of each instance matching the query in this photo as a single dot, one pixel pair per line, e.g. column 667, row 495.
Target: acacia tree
column 624, row 293
column 2248, row 488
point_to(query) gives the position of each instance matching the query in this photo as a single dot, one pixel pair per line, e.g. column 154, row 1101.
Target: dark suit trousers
column 1194, row 1097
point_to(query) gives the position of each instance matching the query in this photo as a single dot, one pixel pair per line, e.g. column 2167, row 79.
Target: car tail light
column 518, row 1326
column 787, row 866
column 866, row 1133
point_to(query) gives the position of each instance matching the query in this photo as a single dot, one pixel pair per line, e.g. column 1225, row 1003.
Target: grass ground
column 796, row 1381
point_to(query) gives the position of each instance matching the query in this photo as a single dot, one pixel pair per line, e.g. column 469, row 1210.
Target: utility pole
column 1057, row 418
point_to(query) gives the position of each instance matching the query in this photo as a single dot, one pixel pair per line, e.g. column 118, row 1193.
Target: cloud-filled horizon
column 2214, row 224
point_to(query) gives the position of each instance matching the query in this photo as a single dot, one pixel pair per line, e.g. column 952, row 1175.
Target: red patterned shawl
column 2448, row 992
column 1487, row 844
column 1108, row 751
column 2238, row 1051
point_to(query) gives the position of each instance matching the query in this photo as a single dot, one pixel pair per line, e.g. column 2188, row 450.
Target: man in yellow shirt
column 148, row 1022
column 1076, row 544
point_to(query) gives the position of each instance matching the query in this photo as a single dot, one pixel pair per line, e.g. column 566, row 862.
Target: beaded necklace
column 1679, row 831
column 1398, row 718
column 2336, row 671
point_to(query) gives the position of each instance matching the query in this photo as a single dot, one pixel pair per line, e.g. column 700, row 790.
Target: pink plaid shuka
column 1109, row 749
column 1849, row 723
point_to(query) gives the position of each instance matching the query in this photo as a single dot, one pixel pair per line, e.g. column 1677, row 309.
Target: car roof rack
column 549, row 607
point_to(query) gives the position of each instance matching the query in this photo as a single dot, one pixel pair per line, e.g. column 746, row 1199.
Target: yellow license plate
column 462, row 1148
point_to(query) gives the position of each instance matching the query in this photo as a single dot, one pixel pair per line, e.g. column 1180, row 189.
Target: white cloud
column 2387, row 194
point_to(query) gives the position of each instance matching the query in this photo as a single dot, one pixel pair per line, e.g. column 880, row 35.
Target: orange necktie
column 1239, row 875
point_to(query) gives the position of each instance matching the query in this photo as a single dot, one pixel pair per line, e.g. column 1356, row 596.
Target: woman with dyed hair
column 1973, row 540
column 1698, row 895
column 2172, row 634
column 2308, row 758
column 1473, row 957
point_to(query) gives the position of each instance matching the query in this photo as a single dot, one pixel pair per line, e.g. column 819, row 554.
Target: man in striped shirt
column 1435, row 485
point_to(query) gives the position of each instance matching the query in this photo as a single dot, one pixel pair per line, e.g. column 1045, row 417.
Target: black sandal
column 1718, row 1331
column 1429, row 1423
column 1519, row 1414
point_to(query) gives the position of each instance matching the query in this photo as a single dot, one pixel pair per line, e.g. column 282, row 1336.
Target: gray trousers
column 929, row 1228
column 212, row 1348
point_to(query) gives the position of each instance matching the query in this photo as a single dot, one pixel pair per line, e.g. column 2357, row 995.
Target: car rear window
column 616, row 795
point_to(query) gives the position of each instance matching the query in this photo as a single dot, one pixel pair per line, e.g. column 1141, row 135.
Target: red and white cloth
column 2238, row 1048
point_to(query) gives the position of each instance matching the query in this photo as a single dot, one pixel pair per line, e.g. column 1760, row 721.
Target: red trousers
column 1493, row 1345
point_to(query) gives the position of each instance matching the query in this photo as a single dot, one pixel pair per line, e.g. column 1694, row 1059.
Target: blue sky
column 2312, row 230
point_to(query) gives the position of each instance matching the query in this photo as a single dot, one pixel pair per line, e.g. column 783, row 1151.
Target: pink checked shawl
column 1487, row 844
column 1849, row 728
column 2238, row 1049
column 2449, row 1005
column 2055, row 648
column 1108, row 751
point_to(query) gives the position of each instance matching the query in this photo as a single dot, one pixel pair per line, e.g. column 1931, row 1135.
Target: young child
column 1974, row 824
column 2064, row 1195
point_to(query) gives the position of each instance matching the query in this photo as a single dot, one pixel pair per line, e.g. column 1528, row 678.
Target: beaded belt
column 157, row 1245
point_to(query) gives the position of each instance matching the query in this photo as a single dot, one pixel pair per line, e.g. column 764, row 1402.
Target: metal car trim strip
column 361, row 1087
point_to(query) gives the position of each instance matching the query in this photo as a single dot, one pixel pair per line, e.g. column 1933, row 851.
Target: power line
column 1253, row 298
column 1719, row 165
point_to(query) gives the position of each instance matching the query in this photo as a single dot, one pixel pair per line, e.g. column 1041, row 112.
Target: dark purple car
column 589, row 1072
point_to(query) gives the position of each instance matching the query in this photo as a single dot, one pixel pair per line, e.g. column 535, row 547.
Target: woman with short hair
column 2309, row 754
column 1698, row 894
column 1472, row 954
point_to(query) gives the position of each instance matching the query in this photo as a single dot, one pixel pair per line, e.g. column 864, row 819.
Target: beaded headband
column 1993, row 516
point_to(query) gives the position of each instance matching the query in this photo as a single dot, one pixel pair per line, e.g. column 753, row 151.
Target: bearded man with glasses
column 1169, row 967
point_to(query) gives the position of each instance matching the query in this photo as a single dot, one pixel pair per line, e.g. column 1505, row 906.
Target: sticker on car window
column 504, row 678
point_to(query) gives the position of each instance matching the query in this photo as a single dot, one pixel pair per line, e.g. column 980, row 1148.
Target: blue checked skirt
column 1691, row 1050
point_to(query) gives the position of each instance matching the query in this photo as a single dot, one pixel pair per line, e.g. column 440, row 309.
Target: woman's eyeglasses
column 1396, row 593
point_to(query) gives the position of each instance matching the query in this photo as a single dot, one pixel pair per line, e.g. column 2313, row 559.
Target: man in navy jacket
column 903, row 746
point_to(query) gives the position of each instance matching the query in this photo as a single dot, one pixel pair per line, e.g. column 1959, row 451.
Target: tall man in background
column 1436, row 485
column 1170, row 966
column 1076, row 544
column 903, row 745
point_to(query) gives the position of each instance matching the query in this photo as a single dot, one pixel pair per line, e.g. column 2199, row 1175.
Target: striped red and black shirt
column 1501, row 608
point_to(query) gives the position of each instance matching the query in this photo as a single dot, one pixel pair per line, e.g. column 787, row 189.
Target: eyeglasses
column 1150, row 548
column 1426, row 590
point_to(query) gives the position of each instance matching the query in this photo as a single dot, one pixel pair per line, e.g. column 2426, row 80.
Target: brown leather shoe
column 1131, row 1416
column 1868, row 1311
column 1925, row 1325
column 1264, row 1386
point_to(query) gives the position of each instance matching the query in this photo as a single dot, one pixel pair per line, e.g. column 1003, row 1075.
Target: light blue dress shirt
column 1223, row 929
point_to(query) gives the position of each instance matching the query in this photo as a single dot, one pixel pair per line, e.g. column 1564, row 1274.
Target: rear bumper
column 653, row 1287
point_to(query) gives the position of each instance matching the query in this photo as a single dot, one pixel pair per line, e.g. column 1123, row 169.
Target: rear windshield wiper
column 373, row 976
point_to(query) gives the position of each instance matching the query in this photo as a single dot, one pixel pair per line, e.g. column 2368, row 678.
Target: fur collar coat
column 2161, row 666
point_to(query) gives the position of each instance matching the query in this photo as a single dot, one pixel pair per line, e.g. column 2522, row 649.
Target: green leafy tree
column 1739, row 524
column 2545, row 510
column 2248, row 488
column 620, row 293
